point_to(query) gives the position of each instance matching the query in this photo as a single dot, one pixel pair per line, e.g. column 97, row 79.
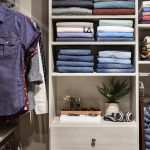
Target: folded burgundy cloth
column 113, row 11
column 145, row 18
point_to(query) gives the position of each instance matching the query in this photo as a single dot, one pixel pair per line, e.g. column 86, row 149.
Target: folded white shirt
column 114, row 29
column 74, row 29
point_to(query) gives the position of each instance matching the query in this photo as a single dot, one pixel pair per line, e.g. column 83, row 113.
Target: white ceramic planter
column 111, row 108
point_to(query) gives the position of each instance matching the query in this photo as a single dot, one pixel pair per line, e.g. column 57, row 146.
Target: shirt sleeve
column 29, row 35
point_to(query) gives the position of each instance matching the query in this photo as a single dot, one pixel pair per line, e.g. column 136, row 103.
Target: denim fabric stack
column 145, row 12
column 75, row 31
column 72, row 7
column 115, row 30
column 114, row 62
column 75, row 61
column 114, row 7
column 145, row 52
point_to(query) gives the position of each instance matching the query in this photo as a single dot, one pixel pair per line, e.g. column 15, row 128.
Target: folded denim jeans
column 114, row 61
column 74, row 64
column 75, row 69
column 115, row 70
column 114, row 66
column 75, row 52
column 76, row 58
column 115, row 54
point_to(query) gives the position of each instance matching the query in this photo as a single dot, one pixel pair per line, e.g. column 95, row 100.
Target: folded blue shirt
column 75, row 69
column 114, row 61
column 115, row 70
column 75, row 64
column 75, row 52
column 146, row 9
column 115, row 34
column 74, row 34
column 115, row 4
column 114, row 66
column 114, row 39
column 76, row 58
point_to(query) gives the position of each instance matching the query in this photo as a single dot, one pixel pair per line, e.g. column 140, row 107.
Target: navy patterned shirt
column 18, row 38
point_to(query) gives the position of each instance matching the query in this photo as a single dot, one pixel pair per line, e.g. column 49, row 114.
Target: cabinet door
column 93, row 138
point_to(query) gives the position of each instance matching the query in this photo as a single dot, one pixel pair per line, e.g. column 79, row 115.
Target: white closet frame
column 129, row 131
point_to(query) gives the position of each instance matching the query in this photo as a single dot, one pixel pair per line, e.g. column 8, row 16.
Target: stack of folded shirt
column 115, row 30
column 145, row 12
column 75, row 61
column 114, row 7
column 75, row 31
column 72, row 7
column 114, row 62
column 145, row 52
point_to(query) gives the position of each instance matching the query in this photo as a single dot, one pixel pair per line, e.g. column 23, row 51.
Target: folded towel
column 114, row 66
column 75, row 39
column 83, row 4
column 115, row 34
column 115, row 70
column 114, row 61
column 76, row 58
column 114, row 39
column 146, row 9
column 75, row 64
column 75, row 69
column 114, row 11
column 146, row 46
column 79, row 30
column 146, row 40
column 73, row 34
column 145, row 22
column 122, row 23
column 115, row 54
column 74, row 24
column 145, row 18
column 71, row 11
column 75, row 52
column 114, row 29
column 115, row 4
column 145, row 13
column 146, row 4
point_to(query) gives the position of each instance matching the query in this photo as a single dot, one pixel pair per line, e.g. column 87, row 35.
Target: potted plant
column 113, row 92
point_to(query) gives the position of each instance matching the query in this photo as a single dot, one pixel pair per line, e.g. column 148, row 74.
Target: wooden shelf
column 94, row 43
column 94, row 17
column 5, row 131
column 91, row 74
column 56, row 123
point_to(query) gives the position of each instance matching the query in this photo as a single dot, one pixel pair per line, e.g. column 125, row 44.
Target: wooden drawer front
column 80, row 138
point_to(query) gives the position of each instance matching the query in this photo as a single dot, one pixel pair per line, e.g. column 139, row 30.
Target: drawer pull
column 93, row 142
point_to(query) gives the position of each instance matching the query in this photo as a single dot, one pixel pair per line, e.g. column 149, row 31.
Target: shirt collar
column 3, row 10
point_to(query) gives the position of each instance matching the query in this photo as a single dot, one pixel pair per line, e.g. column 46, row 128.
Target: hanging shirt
column 18, row 38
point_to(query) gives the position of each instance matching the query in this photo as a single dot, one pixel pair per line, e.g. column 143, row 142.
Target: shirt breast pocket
column 8, row 46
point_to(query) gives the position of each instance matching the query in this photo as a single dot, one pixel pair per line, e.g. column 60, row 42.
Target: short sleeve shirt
column 18, row 38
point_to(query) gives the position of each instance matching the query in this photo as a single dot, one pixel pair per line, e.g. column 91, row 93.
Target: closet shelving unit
column 108, row 135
